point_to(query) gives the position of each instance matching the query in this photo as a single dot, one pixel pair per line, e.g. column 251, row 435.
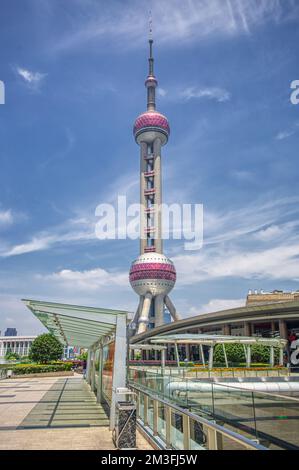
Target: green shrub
column 45, row 348
column 234, row 352
column 236, row 355
column 20, row 369
column 187, row 364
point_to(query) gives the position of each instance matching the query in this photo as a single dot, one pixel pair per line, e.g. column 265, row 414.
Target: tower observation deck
column 152, row 275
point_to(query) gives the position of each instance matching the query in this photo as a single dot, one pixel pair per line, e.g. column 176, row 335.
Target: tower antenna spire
column 150, row 40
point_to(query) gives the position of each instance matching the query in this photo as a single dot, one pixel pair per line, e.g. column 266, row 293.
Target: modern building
column 264, row 298
column 279, row 319
column 152, row 274
column 11, row 332
column 16, row 344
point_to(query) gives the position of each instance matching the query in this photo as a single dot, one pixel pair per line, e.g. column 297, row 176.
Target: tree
column 236, row 355
column 45, row 348
column 12, row 356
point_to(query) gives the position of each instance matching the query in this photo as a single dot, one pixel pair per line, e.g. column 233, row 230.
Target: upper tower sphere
column 149, row 125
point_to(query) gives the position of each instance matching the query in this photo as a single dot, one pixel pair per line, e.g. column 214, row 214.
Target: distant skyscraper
column 152, row 274
column 11, row 332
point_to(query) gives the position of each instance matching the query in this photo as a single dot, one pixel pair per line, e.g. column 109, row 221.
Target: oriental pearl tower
column 152, row 274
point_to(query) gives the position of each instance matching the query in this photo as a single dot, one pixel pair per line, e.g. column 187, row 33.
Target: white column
column 175, row 315
column 143, row 319
column 159, row 310
column 120, row 363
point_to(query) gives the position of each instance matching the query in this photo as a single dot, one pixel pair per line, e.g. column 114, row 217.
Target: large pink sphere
column 154, row 273
column 151, row 121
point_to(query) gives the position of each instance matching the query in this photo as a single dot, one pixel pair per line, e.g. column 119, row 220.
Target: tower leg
column 175, row 315
column 159, row 310
column 143, row 319
column 134, row 322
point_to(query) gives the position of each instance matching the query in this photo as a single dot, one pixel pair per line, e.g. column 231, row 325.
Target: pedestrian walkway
column 53, row 413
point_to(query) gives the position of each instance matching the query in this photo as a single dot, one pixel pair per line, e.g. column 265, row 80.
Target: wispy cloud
column 216, row 305
column 261, row 245
column 288, row 133
column 218, row 94
column 32, row 79
column 173, row 22
column 6, row 217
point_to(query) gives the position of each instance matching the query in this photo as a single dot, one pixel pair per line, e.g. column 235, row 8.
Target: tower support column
column 159, row 310
column 158, row 196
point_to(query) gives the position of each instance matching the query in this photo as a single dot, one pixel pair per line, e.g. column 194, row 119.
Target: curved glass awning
column 73, row 324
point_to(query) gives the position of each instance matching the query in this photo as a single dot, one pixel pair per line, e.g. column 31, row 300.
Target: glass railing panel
column 198, row 439
column 141, row 406
column 161, row 422
column 176, row 431
column 277, row 420
column 235, row 407
column 150, row 414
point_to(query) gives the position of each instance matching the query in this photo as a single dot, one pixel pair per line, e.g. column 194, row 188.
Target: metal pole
column 211, row 357
column 202, row 355
column 225, row 356
column 177, row 354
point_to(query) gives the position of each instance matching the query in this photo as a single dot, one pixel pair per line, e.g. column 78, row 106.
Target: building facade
column 280, row 319
column 16, row 344
column 11, row 332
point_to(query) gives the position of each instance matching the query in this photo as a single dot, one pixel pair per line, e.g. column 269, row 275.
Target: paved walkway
column 53, row 413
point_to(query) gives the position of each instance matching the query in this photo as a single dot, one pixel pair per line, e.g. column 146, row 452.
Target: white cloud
column 6, row 217
column 32, row 79
column 216, row 305
column 218, row 94
column 284, row 135
column 288, row 133
column 36, row 244
column 161, row 91
column 174, row 22
column 269, row 233
column 88, row 280
column 280, row 262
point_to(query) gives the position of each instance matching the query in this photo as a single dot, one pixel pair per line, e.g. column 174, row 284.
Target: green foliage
column 83, row 356
column 260, row 353
column 187, row 364
column 20, row 369
column 45, row 348
column 12, row 356
column 235, row 354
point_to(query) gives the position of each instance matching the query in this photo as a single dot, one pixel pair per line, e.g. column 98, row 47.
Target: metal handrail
column 210, row 425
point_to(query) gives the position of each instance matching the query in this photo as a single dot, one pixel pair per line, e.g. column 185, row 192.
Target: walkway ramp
column 68, row 403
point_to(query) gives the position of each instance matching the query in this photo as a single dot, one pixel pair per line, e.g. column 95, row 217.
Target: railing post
column 168, row 426
column 211, row 438
column 186, row 432
column 145, row 410
column 155, row 420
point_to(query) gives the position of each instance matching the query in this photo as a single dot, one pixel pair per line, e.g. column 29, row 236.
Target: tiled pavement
column 53, row 413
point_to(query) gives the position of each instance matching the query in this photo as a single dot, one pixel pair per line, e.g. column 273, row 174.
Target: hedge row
column 19, row 369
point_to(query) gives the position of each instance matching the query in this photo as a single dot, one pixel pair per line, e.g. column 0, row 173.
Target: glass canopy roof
column 75, row 325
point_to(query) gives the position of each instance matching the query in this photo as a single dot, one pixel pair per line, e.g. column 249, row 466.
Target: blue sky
column 74, row 74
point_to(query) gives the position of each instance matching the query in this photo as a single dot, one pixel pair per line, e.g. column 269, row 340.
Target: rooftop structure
column 263, row 298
